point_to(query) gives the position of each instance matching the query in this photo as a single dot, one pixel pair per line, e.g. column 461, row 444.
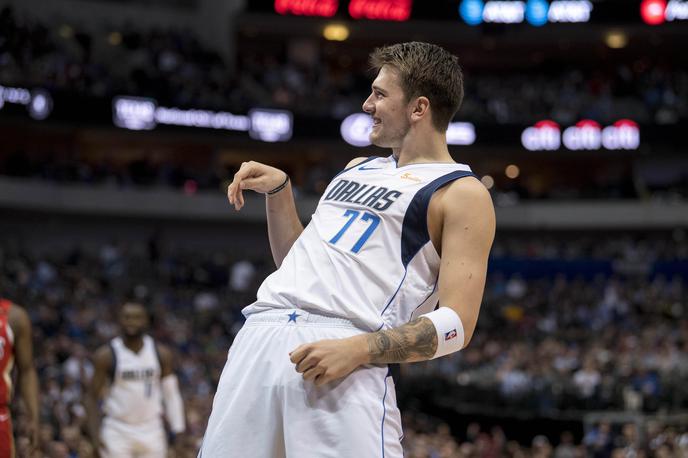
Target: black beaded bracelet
column 278, row 188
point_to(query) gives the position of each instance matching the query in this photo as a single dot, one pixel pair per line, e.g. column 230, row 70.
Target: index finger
column 299, row 353
column 243, row 172
column 230, row 193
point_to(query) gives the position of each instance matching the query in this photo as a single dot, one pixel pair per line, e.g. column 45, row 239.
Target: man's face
column 133, row 320
column 388, row 106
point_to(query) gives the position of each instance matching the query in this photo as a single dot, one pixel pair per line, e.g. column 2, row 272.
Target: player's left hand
column 327, row 360
column 32, row 431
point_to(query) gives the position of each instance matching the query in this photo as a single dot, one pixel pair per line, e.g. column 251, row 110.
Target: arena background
column 122, row 122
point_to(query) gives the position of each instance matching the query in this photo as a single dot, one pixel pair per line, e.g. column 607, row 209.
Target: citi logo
column 586, row 134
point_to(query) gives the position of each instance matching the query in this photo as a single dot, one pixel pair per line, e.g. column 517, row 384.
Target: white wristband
column 449, row 328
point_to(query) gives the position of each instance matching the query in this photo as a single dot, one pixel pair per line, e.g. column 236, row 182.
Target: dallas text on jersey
column 138, row 374
column 376, row 197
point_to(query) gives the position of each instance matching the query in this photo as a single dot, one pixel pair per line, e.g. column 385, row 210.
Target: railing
column 34, row 195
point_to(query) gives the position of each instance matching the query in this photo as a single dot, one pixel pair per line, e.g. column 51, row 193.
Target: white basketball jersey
column 366, row 255
column 134, row 395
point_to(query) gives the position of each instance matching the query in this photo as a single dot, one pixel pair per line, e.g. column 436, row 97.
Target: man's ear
column 420, row 108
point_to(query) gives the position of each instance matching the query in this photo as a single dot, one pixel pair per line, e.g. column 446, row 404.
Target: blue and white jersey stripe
column 366, row 255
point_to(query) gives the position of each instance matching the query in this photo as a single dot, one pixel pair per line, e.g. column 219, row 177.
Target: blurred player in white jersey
column 134, row 375
column 358, row 288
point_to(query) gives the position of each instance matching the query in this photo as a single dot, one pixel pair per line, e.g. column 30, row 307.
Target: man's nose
column 368, row 106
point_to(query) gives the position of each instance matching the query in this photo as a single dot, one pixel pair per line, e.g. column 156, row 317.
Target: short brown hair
column 426, row 70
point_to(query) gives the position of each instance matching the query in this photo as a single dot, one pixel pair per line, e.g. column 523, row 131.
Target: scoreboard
column 536, row 13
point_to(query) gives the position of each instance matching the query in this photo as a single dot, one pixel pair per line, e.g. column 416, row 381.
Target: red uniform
column 6, row 363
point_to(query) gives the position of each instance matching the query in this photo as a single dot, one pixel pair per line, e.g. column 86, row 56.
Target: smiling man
column 391, row 269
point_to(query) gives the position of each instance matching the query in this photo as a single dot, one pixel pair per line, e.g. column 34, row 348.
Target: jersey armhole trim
column 157, row 355
column 113, row 366
column 414, row 230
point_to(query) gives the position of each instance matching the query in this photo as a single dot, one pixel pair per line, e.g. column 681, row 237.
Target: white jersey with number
column 366, row 255
column 135, row 395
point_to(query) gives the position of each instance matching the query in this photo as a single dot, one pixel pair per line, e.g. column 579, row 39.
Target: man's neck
column 134, row 344
column 420, row 149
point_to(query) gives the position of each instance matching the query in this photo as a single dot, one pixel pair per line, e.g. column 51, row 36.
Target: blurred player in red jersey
column 16, row 346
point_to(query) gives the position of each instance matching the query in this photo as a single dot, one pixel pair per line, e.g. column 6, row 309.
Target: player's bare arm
column 462, row 225
column 102, row 365
column 284, row 226
column 166, row 360
column 28, row 380
column 415, row 341
column 464, row 238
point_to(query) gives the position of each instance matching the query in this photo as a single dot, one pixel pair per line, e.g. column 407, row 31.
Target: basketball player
column 356, row 290
column 16, row 346
column 142, row 382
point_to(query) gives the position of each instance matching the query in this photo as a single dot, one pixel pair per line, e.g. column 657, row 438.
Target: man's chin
column 377, row 141
column 132, row 335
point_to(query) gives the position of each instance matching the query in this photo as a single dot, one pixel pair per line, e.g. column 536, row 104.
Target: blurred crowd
column 168, row 64
column 153, row 169
column 139, row 172
column 625, row 250
column 640, row 90
column 574, row 346
column 542, row 346
column 428, row 437
column 145, row 171
column 175, row 68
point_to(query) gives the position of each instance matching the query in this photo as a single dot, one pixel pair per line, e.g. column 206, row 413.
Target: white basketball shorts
column 141, row 440
column 264, row 409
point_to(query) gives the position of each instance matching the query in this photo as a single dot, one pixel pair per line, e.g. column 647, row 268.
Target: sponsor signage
column 655, row 12
column 355, row 130
column 461, row 133
column 270, row 125
column 321, row 8
column 38, row 102
column 544, row 135
column 139, row 113
column 534, row 12
column 385, row 10
column 586, row 134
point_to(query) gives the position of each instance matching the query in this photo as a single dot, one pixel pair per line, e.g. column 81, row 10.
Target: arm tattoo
column 414, row 341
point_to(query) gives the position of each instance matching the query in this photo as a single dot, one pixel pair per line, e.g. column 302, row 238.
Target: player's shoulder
column 103, row 356
column 163, row 350
column 354, row 162
column 166, row 358
column 468, row 187
column 16, row 310
column 18, row 317
column 103, row 350
column 467, row 193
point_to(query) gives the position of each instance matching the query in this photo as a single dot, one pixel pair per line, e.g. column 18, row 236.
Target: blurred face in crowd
column 388, row 107
column 133, row 319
